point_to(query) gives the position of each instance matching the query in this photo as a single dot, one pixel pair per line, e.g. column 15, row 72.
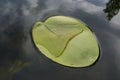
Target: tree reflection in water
column 112, row 8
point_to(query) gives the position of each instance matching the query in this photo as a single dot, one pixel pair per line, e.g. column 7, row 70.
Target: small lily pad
column 66, row 40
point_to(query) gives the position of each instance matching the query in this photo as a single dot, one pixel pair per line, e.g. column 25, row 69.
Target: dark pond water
column 19, row 58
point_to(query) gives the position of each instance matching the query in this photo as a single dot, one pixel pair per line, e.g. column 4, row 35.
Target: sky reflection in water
column 17, row 50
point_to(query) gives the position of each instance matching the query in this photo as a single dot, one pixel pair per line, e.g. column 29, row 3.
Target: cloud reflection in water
column 17, row 19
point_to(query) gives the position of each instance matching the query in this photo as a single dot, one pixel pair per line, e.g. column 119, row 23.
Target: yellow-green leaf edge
column 81, row 51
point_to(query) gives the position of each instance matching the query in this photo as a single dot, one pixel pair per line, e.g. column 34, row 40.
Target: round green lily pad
column 66, row 41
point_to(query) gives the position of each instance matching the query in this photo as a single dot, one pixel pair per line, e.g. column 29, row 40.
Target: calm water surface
column 19, row 58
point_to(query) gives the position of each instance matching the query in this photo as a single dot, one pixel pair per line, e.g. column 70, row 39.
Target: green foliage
column 112, row 8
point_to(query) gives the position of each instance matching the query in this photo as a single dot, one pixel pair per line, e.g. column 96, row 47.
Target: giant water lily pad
column 66, row 40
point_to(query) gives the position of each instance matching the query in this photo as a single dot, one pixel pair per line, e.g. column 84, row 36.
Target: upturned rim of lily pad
column 57, row 63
